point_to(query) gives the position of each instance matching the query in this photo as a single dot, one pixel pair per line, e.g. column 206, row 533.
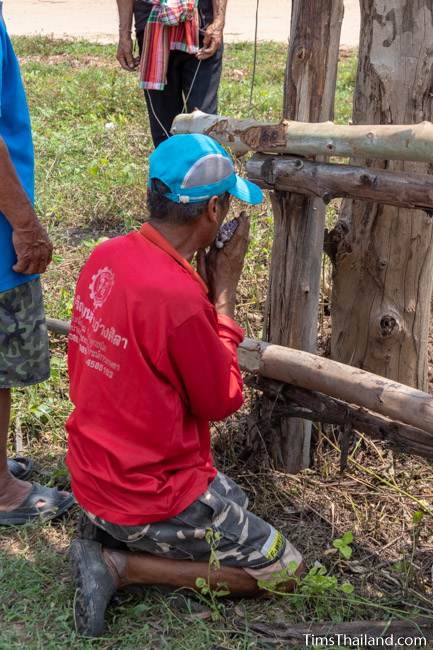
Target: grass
column 92, row 142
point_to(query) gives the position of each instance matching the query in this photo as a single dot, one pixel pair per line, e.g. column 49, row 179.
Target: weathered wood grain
column 329, row 181
column 384, row 256
column 410, row 142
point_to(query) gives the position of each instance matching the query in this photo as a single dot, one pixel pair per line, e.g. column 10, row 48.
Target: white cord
column 156, row 116
column 185, row 100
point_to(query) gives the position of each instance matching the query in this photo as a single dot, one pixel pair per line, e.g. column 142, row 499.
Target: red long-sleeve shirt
column 150, row 364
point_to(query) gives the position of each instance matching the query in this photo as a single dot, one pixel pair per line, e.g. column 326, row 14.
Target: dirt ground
column 97, row 20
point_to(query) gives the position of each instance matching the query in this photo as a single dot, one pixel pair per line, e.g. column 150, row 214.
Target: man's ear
column 212, row 210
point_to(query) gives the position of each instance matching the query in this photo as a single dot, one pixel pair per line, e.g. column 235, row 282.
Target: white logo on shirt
column 101, row 285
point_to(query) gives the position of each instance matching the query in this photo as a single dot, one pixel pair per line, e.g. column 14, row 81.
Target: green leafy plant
column 208, row 593
column 417, row 517
column 343, row 545
column 89, row 244
column 280, row 577
column 316, row 593
column 318, row 582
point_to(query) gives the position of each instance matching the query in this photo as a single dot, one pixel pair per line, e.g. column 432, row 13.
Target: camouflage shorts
column 24, row 354
column 240, row 538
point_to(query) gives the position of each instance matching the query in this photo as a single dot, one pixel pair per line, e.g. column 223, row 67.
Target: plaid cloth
column 172, row 25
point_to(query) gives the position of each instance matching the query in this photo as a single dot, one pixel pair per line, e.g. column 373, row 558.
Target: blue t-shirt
column 15, row 129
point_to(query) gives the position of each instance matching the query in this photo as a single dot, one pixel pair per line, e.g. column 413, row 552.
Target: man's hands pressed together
column 221, row 268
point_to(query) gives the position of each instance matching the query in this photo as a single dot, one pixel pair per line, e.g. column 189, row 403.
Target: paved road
column 97, row 19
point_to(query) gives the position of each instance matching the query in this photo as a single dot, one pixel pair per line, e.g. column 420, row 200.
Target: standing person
column 152, row 360
column 25, row 251
column 186, row 76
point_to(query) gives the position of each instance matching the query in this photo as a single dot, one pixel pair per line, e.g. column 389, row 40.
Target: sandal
column 94, row 584
column 20, row 467
column 54, row 505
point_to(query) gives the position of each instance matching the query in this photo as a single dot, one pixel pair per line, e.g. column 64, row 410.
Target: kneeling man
column 152, row 360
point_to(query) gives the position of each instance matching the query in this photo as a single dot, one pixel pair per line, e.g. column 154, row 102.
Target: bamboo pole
column 346, row 383
column 328, row 181
column 384, row 142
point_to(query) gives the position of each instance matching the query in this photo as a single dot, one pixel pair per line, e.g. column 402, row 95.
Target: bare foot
column 14, row 492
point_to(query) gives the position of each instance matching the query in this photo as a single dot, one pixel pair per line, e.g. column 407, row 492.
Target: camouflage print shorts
column 242, row 539
column 24, row 354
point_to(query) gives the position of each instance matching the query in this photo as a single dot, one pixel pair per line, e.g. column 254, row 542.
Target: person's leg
column 200, row 83
column 176, row 552
column 24, row 360
column 164, row 105
column 99, row 572
column 12, row 491
column 129, row 568
column 240, row 540
column 247, row 548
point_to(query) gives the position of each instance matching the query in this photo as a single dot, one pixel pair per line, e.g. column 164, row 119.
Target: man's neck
column 182, row 238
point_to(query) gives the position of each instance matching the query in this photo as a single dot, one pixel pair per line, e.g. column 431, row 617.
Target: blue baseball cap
column 196, row 167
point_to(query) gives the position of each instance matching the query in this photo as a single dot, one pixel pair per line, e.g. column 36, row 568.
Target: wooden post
column 384, row 255
column 293, row 298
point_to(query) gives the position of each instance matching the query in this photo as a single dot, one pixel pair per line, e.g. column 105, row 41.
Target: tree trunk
column 293, row 298
column 384, row 263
